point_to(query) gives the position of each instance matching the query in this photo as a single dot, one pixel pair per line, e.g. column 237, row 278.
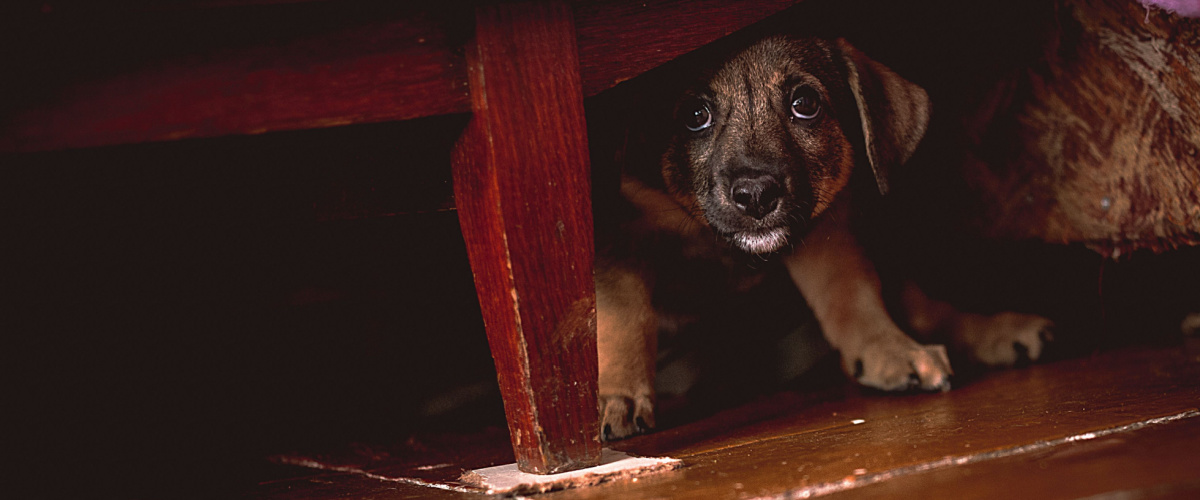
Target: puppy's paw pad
column 625, row 416
column 903, row 365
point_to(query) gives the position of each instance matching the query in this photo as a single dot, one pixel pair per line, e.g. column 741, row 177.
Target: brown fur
column 796, row 174
column 1097, row 141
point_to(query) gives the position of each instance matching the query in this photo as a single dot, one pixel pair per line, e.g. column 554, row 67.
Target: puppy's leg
column 843, row 289
column 627, row 340
column 1002, row 339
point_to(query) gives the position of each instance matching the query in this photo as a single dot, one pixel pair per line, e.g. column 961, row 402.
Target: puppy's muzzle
column 756, row 195
column 752, row 210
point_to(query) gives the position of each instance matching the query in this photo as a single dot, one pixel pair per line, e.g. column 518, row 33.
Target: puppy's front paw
column 897, row 363
column 623, row 416
column 1005, row 339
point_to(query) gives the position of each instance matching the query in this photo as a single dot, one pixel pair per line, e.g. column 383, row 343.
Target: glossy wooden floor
column 1121, row 424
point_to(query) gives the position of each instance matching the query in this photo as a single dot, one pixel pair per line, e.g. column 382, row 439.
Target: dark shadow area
column 176, row 313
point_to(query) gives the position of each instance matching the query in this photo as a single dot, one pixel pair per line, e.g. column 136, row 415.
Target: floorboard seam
column 865, row 480
column 312, row 464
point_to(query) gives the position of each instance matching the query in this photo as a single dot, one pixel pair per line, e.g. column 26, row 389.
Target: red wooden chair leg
column 522, row 186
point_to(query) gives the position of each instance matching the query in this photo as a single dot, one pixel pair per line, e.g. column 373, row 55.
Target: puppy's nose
column 756, row 196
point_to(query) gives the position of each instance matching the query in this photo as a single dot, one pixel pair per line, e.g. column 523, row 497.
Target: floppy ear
column 894, row 111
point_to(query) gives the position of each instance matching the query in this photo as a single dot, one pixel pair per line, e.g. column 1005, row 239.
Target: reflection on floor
column 1120, row 422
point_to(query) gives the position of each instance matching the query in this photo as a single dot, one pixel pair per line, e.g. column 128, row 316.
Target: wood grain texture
column 106, row 73
column 1157, row 461
column 791, row 448
column 127, row 78
column 1099, row 141
column 521, row 181
column 1068, row 429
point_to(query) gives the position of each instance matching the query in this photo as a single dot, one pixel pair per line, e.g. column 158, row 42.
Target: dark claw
column 1046, row 335
column 914, row 380
column 858, row 369
column 641, row 425
column 1022, row 354
column 608, row 432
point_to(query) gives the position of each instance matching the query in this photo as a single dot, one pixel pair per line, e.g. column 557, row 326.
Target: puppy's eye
column 696, row 115
column 806, row 103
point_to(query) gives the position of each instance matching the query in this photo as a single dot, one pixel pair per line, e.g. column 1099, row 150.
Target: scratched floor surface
column 1123, row 423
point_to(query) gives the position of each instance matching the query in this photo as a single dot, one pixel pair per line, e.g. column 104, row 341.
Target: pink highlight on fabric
column 1188, row 8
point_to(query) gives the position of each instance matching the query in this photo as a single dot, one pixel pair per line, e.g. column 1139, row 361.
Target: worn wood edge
column 473, row 177
column 487, row 195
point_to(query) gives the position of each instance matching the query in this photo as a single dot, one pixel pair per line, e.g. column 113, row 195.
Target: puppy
column 756, row 178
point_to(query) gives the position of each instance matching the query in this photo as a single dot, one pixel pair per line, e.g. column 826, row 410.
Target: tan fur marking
column 990, row 340
column 843, row 289
column 627, row 340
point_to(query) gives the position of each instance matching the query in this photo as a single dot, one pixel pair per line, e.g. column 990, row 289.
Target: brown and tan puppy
column 760, row 169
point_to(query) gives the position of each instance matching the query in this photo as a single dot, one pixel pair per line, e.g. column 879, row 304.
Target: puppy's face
column 760, row 149
column 762, row 146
